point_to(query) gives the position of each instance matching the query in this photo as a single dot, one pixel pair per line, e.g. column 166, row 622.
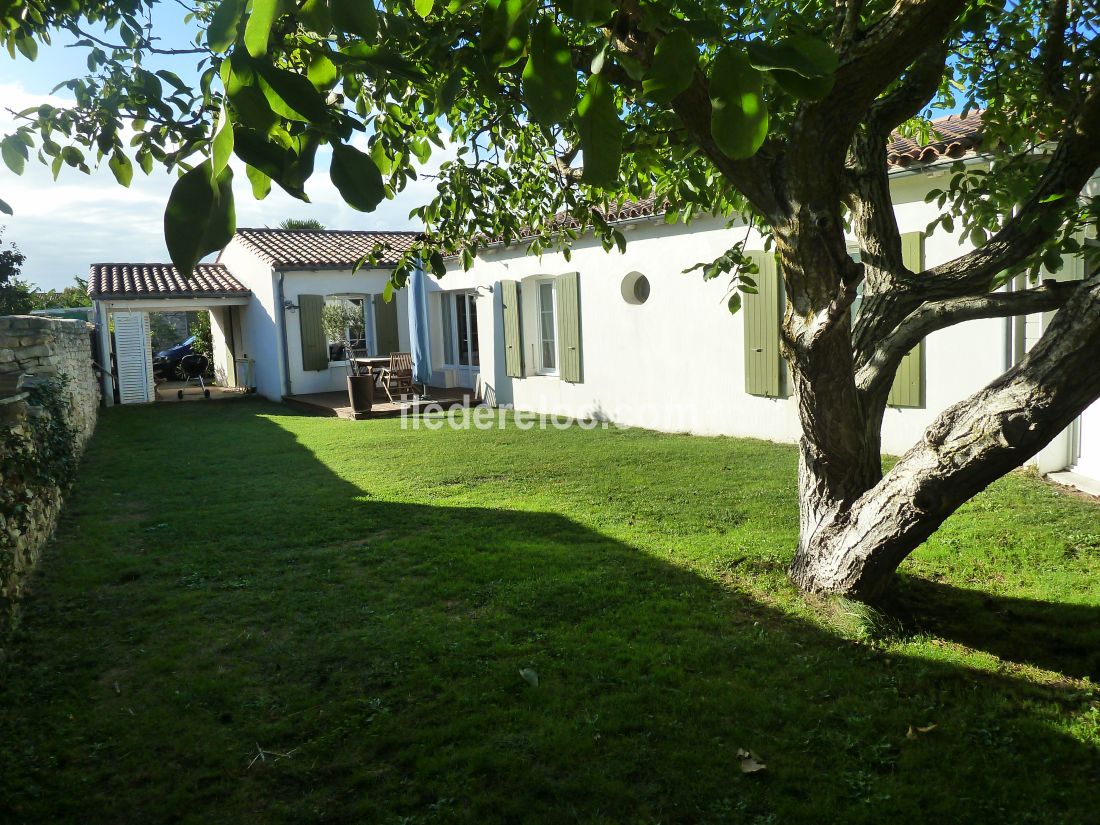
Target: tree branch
column 867, row 66
column 1073, row 162
column 916, row 89
column 1054, row 49
column 971, row 444
column 752, row 177
column 875, row 376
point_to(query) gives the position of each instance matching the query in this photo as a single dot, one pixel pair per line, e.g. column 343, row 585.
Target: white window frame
column 542, row 369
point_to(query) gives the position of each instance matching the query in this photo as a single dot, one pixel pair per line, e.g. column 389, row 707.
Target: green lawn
column 357, row 601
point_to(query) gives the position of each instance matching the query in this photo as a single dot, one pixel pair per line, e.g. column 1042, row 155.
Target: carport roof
column 149, row 281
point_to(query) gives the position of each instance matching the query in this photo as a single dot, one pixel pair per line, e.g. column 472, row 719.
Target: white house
column 291, row 273
column 627, row 337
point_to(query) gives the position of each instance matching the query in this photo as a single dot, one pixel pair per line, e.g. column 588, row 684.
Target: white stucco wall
column 676, row 362
column 259, row 319
column 332, row 282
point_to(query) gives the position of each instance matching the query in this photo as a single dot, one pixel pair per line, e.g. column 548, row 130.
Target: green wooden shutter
column 385, row 325
column 513, row 341
column 314, row 343
column 569, row 328
column 762, row 313
column 908, row 387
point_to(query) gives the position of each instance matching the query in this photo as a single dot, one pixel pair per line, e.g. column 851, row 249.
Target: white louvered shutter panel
column 135, row 371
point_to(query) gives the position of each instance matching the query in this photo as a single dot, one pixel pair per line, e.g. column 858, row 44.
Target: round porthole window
column 635, row 288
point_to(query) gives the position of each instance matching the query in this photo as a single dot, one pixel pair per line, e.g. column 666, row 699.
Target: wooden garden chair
column 397, row 378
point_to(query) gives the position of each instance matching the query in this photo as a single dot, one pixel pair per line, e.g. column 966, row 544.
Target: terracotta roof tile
column 324, row 248
column 952, row 137
column 162, row 281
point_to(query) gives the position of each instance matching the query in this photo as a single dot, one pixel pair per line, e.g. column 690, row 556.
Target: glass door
column 461, row 351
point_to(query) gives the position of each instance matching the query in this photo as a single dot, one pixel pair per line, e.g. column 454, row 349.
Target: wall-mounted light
column 488, row 290
column 290, row 306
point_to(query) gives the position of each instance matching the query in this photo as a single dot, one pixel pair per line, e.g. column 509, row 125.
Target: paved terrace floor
column 335, row 404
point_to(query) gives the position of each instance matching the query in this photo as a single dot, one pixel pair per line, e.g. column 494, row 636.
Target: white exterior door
column 461, row 351
column 134, row 357
column 1088, row 443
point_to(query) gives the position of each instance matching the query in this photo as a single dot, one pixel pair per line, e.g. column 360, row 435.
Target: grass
column 356, row 602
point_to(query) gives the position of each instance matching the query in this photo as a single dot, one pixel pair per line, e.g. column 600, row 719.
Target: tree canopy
column 16, row 296
column 683, row 101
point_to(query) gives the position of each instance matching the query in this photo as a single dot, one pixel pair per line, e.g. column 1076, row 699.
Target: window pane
column 357, row 334
column 475, row 355
column 448, row 330
column 546, row 325
column 463, row 330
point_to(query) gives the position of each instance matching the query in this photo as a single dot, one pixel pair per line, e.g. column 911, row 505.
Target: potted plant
column 337, row 321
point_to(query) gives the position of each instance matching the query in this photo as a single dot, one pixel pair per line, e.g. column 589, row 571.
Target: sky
column 66, row 225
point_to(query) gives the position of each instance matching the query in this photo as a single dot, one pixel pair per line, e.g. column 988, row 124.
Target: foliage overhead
column 519, row 92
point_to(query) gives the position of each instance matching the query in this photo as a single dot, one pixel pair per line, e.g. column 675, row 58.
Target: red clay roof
column 952, row 137
column 324, row 248
column 108, row 281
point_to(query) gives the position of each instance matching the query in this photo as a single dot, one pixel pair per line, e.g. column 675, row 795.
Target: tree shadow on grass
column 239, row 634
column 1053, row 635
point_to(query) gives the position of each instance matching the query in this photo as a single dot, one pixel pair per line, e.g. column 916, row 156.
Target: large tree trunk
column 856, row 551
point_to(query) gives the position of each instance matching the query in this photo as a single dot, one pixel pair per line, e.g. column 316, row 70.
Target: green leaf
column 261, row 183
column 292, row 95
column 14, row 154
column 806, row 88
column 222, row 32
column 5, row 208
column 817, row 61
column 601, row 134
column 221, row 147
column 200, row 217
column 739, row 116
column 244, row 92
column 315, row 16
column 121, row 167
column 734, row 303
column 674, row 62
column 355, row 17
column 356, row 177
column 549, row 79
column 322, row 72
column 437, row 263
column 589, row 12
column 423, row 7
column 278, row 163
column 145, row 161
column 384, row 58
column 802, row 55
column 504, row 28
column 28, row 47
column 257, row 31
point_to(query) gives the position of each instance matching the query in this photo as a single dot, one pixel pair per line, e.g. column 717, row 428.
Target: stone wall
column 34, row 350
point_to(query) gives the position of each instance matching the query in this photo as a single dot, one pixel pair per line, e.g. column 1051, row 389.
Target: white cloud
column 63, row 226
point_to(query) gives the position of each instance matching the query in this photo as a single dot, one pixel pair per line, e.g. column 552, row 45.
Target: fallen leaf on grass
column 912, row 733
column 750, row 762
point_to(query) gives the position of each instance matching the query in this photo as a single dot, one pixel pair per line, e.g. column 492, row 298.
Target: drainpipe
column 280, row 302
